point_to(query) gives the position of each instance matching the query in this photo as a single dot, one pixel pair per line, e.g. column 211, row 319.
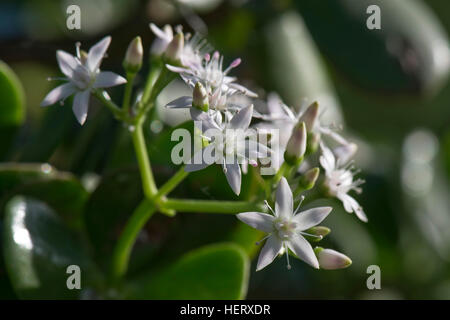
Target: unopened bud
column 175, row 48
column 296, row 145
column 313, row 142
column 317, row 233
column 330, row 259
column 200, row 97
column 308, row 179
column 309, row 117
column 133, row 57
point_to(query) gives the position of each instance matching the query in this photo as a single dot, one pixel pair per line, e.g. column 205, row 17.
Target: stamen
column 268, row 206
column 179, row 28
column 253, row 163
column 77, row 49
column 232, row 65
column 259, row 242
column 299, row 204
column 287, row 256
column 56, row 78
column 311, row 235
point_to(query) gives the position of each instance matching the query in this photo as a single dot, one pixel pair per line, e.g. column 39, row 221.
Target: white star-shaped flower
column 339, row 181
column 229, row 144
column 211, row 74
column 285, row 228
column 83, row 75
column 283, row 117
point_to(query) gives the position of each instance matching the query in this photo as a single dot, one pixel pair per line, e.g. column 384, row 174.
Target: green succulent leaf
column 61, row 190
column 12, row 109
column 38, row 248
column 12, row 106
column 218, row 271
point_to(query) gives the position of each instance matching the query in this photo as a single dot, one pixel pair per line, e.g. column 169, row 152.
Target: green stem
column 155, row 70
column 149, row 97
column 172, row 183
column 148, row 182
column 128, row 237
column 209, row 206
column 127, row 93
column 281, row 171
column 116, row 111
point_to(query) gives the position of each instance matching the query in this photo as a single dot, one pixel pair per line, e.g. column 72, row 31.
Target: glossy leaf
column 217, row 271
column 38, row 248
column 12, row 107
column 61, row 190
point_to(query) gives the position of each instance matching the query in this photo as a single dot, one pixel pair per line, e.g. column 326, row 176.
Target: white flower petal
column 312, row 217
column 302, row 249
column 177, row 69
column 242, row 89
column 327, row 159
column 192, row 167
column 166, row 34
column 233, row 174
column 257, row 220
column 106, row 79
column 59, row 93
column 197, row 162
column 333, row 135
column 80, row 106
column 351, row 205
column 284, row 202
column 67, row 62
column 206, row 121
column 242, row 119
column 96, row 53
column 268, row 253
column 182, row 102
column 345, row 152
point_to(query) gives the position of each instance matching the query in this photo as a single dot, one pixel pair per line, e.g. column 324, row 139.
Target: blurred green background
column 390, row 87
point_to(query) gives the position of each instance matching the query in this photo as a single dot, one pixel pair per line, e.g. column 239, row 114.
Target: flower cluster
column 230, row 128
column 213, row 105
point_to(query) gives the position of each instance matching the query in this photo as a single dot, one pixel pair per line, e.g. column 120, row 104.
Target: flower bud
column 330, row 259
column 308, row 179
column 296, row 145
column 312, row 142
column 317, row 232
column 133, row 57
column 174, row 49
column 309, row 117
column 200, row 97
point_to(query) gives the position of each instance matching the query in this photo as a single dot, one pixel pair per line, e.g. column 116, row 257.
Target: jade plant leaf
column 38, row 248
column 61, row 190
column 218, row 271
column 12, row 108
